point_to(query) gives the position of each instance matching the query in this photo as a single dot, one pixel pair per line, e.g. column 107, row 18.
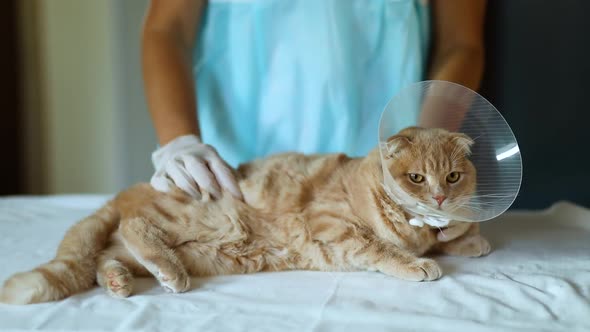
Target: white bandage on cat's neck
column 419, row 221
column 421, row 214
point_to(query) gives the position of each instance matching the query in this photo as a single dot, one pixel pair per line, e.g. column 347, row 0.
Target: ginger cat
column 318, row 212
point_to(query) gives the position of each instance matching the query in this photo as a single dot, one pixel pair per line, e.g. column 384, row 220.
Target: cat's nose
column 439, row 199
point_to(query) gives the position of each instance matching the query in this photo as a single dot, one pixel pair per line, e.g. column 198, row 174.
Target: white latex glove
column 192, row 166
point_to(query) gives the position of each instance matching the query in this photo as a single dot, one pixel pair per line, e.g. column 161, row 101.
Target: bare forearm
column 169, row 86
column 458, row 52
column 462, row 65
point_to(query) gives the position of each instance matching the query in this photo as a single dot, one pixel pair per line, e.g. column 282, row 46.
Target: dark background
column 537, row 75
column 10, row 120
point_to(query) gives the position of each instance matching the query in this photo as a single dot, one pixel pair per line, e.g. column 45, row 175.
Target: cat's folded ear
column 395, row 144
column 463, row 141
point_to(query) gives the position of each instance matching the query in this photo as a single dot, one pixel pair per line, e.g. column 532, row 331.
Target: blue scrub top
column 310, row 76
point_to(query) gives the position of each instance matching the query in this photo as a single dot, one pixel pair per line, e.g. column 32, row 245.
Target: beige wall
column 87, row 128
column 78, row 68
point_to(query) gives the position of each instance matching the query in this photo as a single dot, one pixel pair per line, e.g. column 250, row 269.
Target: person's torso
column 303, row 75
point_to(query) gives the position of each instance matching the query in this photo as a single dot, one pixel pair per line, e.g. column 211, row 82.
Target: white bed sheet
column 536, row 279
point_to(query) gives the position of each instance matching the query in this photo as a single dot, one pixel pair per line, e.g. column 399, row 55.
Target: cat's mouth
column 442, row 207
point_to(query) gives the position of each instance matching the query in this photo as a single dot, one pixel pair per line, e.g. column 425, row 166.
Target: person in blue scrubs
column 228, row 81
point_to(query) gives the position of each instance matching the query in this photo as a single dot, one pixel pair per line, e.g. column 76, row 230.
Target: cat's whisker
column 477, row 208
column 453, row 209
column 476, row 198
column 479, row 202
column 478, row 137
column 481, row 206
column 492, row 195
column 484, row 203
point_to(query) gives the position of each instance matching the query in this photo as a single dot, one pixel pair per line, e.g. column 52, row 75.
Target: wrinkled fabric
column 537, row 278
column 303, row 75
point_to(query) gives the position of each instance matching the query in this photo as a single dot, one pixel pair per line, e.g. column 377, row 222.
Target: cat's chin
column 434, row 207
column 439, row 208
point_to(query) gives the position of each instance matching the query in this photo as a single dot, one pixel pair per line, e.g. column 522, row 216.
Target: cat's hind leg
column 114, row 277
column 149, row 245
column 116, row 269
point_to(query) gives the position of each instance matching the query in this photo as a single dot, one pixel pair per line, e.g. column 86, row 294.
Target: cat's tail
column 73, row 269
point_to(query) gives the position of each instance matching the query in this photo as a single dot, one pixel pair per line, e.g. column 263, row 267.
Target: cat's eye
column 453, row 177
column 416, row 178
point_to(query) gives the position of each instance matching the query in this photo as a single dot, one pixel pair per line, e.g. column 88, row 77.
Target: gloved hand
column 193, row 167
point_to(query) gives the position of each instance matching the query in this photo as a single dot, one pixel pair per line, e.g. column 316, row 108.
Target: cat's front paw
column 473, row 246
column 174, row 282
column 420, row 269
column 425, row 269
